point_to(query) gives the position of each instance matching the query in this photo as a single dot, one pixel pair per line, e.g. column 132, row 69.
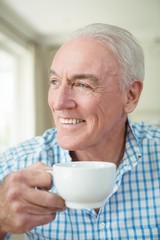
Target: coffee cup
column 84, row 184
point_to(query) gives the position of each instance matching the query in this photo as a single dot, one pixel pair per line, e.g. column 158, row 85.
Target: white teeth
column 70, row 120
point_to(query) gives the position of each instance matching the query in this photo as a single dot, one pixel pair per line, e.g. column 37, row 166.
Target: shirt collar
column 132, row 153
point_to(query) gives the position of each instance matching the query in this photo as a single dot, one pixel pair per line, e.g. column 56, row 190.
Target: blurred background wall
column 31, row 32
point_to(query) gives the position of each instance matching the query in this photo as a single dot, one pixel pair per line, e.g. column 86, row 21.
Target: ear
column 133, row 93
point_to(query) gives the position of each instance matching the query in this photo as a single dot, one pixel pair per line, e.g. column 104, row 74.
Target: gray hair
column 124, row 46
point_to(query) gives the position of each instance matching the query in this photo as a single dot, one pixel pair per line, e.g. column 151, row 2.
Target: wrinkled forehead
column 79, row 42
column 84, row 49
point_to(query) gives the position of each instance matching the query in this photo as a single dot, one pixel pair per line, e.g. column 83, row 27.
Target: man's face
column 84, row 95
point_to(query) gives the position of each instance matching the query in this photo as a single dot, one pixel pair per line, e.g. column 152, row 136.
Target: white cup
column 84, row 185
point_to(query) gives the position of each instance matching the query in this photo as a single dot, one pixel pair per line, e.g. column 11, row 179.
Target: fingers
column 41, row 220
column 45, row 199
column 29, row 208
column 22, row 187
column 22, row 206
column 40, row 165
column 36, row 208
column 41, row 168
column 23, row 223
column 32, row 177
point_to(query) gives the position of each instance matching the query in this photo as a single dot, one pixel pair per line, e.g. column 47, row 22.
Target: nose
column 62, row 98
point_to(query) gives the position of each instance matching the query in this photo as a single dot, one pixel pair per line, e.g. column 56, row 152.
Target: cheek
column 110, row 106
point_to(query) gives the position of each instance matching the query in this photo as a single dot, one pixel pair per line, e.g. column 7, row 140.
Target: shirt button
column 102, row 225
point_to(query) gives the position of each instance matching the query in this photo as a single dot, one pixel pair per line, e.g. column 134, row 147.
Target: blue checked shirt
column 133, row 209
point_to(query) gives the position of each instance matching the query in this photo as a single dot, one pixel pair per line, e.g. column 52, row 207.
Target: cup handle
column 52, row 175
column 51, row 172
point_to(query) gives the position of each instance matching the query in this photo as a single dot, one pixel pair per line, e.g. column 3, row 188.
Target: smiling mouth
column 70, row 120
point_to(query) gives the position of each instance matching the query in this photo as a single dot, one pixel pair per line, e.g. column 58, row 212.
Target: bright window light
column 7, row 92
column 17, row 100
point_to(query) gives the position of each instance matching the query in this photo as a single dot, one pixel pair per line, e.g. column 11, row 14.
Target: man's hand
column 23, row 205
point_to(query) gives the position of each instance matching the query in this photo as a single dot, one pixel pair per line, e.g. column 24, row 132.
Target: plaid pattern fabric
column 133, row 209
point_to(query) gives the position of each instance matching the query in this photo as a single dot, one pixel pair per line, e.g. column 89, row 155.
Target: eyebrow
column 52, row 72
column 78, row 76
column 89, row 76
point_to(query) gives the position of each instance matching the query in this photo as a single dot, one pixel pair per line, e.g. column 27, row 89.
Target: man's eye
column 82, row 85
column 54, row 82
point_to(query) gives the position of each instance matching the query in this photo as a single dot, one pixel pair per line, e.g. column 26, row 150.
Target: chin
column 68, row 147
column 71, row 146
column 64, row 143
column 71, row 142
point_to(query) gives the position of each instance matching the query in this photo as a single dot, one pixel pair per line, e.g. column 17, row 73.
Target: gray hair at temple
column 124, row 46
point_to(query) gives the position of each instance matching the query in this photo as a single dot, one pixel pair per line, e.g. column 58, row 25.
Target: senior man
column 96, row 79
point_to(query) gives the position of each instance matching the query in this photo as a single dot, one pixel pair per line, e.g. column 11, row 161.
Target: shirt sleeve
column 6, row 164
